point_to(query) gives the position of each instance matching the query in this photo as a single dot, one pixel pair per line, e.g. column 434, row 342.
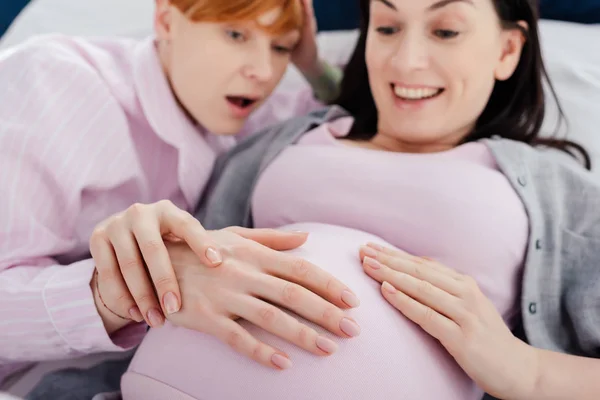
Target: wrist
column 314, row 70
column 325, row 81
column 112, row 322
column 530, row 373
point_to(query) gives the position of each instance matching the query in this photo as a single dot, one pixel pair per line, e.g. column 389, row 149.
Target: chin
column 229, row 128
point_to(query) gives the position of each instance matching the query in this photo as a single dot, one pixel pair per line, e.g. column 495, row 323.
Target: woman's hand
column 251, row 283
column 135, row 276
column 306, row 55
column 451, row 308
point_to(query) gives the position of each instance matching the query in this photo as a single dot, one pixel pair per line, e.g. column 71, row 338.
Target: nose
column 260, row 65
column 411, row 53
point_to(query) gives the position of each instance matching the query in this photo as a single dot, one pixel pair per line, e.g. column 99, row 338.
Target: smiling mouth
column 241, row 102
column 416, row 94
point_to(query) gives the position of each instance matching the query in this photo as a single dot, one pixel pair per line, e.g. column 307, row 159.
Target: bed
column 571, row 51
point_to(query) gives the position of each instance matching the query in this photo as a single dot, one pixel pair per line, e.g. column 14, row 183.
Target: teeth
column 414, row 94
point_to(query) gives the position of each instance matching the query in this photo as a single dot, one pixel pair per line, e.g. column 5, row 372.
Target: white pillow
column 131, row 18
column 572, row 57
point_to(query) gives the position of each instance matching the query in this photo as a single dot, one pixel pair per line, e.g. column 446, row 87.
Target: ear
column 162, row 20
column 513, row 41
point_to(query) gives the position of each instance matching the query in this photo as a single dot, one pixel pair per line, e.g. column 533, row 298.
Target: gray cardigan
column 561, row 283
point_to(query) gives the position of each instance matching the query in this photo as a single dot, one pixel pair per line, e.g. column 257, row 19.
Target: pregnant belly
column 391, row 359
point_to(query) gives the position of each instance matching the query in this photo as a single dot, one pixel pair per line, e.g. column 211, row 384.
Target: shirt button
column 533, row 308
column 538, row 244
column 522, row 181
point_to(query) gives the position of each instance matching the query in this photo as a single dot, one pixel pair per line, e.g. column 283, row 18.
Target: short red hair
column 291, row 17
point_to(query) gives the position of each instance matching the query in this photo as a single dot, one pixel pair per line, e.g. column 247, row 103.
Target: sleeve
column 50, row 137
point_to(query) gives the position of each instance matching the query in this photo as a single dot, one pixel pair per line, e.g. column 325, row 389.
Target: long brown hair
column 515, row 109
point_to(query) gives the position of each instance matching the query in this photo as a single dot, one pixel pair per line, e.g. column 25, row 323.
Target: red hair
column 291, row 17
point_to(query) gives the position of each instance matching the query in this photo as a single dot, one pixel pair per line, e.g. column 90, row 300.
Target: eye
column 235, row 35
column 282, row 49
column 446, row 34
column 387, row 30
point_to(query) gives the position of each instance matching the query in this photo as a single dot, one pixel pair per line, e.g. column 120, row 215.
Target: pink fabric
column 87, row 128
column 454, row 206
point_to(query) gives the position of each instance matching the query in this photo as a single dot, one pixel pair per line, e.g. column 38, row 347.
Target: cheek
column 279, row 67
column 375, row 57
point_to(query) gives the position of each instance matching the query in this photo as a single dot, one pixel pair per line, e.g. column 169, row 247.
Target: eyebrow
column 436, row 6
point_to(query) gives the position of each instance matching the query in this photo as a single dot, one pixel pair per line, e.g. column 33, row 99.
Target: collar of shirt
column 196, row 147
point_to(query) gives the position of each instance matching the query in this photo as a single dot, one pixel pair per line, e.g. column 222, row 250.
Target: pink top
column 87, row 128
column 454, row 206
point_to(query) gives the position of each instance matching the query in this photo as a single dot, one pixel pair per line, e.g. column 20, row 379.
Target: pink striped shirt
column 87, row 128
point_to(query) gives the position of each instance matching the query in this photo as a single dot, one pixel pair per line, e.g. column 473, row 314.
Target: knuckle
column 129, row 264
column 300, row 268
column 144, row 300
column 99, row 234
column 305, row 336
column 163, row 283
column 234, row 340
column 136, row 210
column 417, row 272
column 425, row 288
column 165, row 204
column 331, row 286
column 258, row 351
column 152, row 246
column 268, row 315
column 290, row 294
column 428, row 317
column 123, row 298
column 470, row 287
column 328, row 316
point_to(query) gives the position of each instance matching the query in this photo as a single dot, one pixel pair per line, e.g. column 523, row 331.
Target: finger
column 135, row 275
column 240, row 340
column 309, row 11
column 274, row 239
column 386, row 266
column 423, row 292
column 154, row 252
column 308, row 275
column 396, row 253
column 280, row 323
column 110, row 278
column 183, row 225
column 306, row 304
column 432, row 322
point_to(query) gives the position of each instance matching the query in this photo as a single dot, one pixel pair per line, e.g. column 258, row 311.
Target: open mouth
column 416, row 94
column 241, row 102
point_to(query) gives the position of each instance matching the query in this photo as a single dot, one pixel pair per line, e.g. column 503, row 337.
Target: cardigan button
column 533, row 308
column 538, row 244
column 522, row 180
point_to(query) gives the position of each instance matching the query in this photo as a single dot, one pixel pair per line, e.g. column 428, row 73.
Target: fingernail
column 371, row 262
column 326, row 344
column 350, row 327
column 213, row 256
column 171, row 303
column 136, row 315
column 350, row 299
column 155, row 318
column 375, row 246
column 300, row 233
column 389, row 288
column 369, row 252
column 281, row 362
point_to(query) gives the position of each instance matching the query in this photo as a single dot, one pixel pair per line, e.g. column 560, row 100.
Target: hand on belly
column 392, row 358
